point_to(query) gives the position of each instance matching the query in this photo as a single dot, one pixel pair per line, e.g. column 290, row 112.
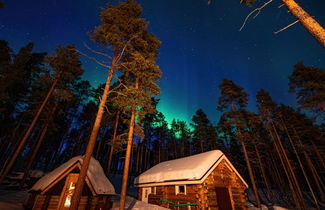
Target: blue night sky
column 201, row 45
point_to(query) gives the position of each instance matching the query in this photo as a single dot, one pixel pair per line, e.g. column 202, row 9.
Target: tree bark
column 112, row 146
column 251, row 176
column 127, row 162
column 92, row 140
column 270, row 195
column 310, row 24
column 128, row 155
column 37, row 146
column 12, row 161
column 300, row 163
column 291, row 173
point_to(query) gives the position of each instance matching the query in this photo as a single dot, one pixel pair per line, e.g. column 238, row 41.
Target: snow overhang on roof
column 95, row 174
column 188, row 170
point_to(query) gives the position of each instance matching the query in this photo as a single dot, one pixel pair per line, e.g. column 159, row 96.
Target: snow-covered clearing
column 132, row 203
column 12, row 199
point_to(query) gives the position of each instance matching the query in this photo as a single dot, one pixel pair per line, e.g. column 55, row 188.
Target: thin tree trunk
column 310, row 24
column 34, row 153
column 291, row 186
column 127, row 155
column 300, row 164
column 132, row 160
column 99, row 147
column 269, row 193
column 127, row 162
column 141, row 158
column 37, row 146
column 175, row 148
column 249, row 169
column 13, row 159
column 313, row 171
column 319, row 157
column 112, row 146
column 138, row 159
column 92, row 140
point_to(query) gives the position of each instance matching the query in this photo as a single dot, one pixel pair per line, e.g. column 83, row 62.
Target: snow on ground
column 12, row 199
column 252, row 207
column 11, row 206
column 132, row 203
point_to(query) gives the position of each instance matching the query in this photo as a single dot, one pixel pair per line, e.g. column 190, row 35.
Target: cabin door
column 145, row 194
column 67, row 191
column 223, row 198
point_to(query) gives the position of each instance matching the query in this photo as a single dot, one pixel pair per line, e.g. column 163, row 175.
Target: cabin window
column 180, row 189
column 67, row 202
column 153, row 190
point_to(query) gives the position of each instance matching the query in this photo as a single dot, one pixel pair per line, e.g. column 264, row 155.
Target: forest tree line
column 284, row 147
column 48, row 114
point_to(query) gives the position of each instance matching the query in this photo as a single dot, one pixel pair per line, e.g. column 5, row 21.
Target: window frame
column 177, row 191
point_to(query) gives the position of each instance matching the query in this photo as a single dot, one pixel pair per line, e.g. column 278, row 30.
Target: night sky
column 201, row 45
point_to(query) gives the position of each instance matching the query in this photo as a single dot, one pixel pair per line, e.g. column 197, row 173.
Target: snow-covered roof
column 95, row 174
column 192, row 170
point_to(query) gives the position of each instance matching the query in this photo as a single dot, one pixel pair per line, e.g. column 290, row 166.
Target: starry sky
column 201, row 45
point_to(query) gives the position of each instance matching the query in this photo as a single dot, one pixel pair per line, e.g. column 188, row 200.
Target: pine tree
column 235, row 100
column 267, row 111
column 309, row 85
column 121, row 25
column 66, row 64
column 204, row 134
column 141, row 75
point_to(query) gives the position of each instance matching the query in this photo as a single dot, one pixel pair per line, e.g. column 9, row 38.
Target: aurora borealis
column 201, row 45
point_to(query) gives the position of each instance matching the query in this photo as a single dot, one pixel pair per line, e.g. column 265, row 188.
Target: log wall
column 51, row 202
column 204, row 195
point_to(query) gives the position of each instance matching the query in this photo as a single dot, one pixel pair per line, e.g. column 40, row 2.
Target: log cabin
column 55, row 190
column 203, row 181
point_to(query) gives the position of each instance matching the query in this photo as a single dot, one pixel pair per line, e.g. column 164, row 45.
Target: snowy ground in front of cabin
column 13, row 199
column 132, row 203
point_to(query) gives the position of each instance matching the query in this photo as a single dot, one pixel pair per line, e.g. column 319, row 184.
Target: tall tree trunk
column 138, row 159
column 291, row 173
column 33, row 155
column 127, row 162
column 13, row 159
column 175, row 148
column 92, row 140
column 319, row 157
column 99, row 146
column 318, row 181
column 280, row 155
column 300, row 163
column 127, row 155
column 310, row 24
column 249, row 169
column 112, row 146
column 269, row 193
column 141, row 158
column 39, row 142
column 159, row 148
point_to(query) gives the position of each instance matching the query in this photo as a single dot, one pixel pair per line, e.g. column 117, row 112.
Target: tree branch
column 97, row 52
column 258, row 10
column 291, row 24
column 123, row 50
column 94, row 59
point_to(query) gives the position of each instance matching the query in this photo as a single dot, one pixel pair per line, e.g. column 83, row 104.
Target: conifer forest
column 127, row 86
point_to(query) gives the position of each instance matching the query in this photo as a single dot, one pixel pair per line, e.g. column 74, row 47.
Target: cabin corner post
column 203, row 198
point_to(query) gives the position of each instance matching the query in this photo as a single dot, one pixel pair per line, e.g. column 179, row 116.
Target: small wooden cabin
column 54, row 190
column 203, row 181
